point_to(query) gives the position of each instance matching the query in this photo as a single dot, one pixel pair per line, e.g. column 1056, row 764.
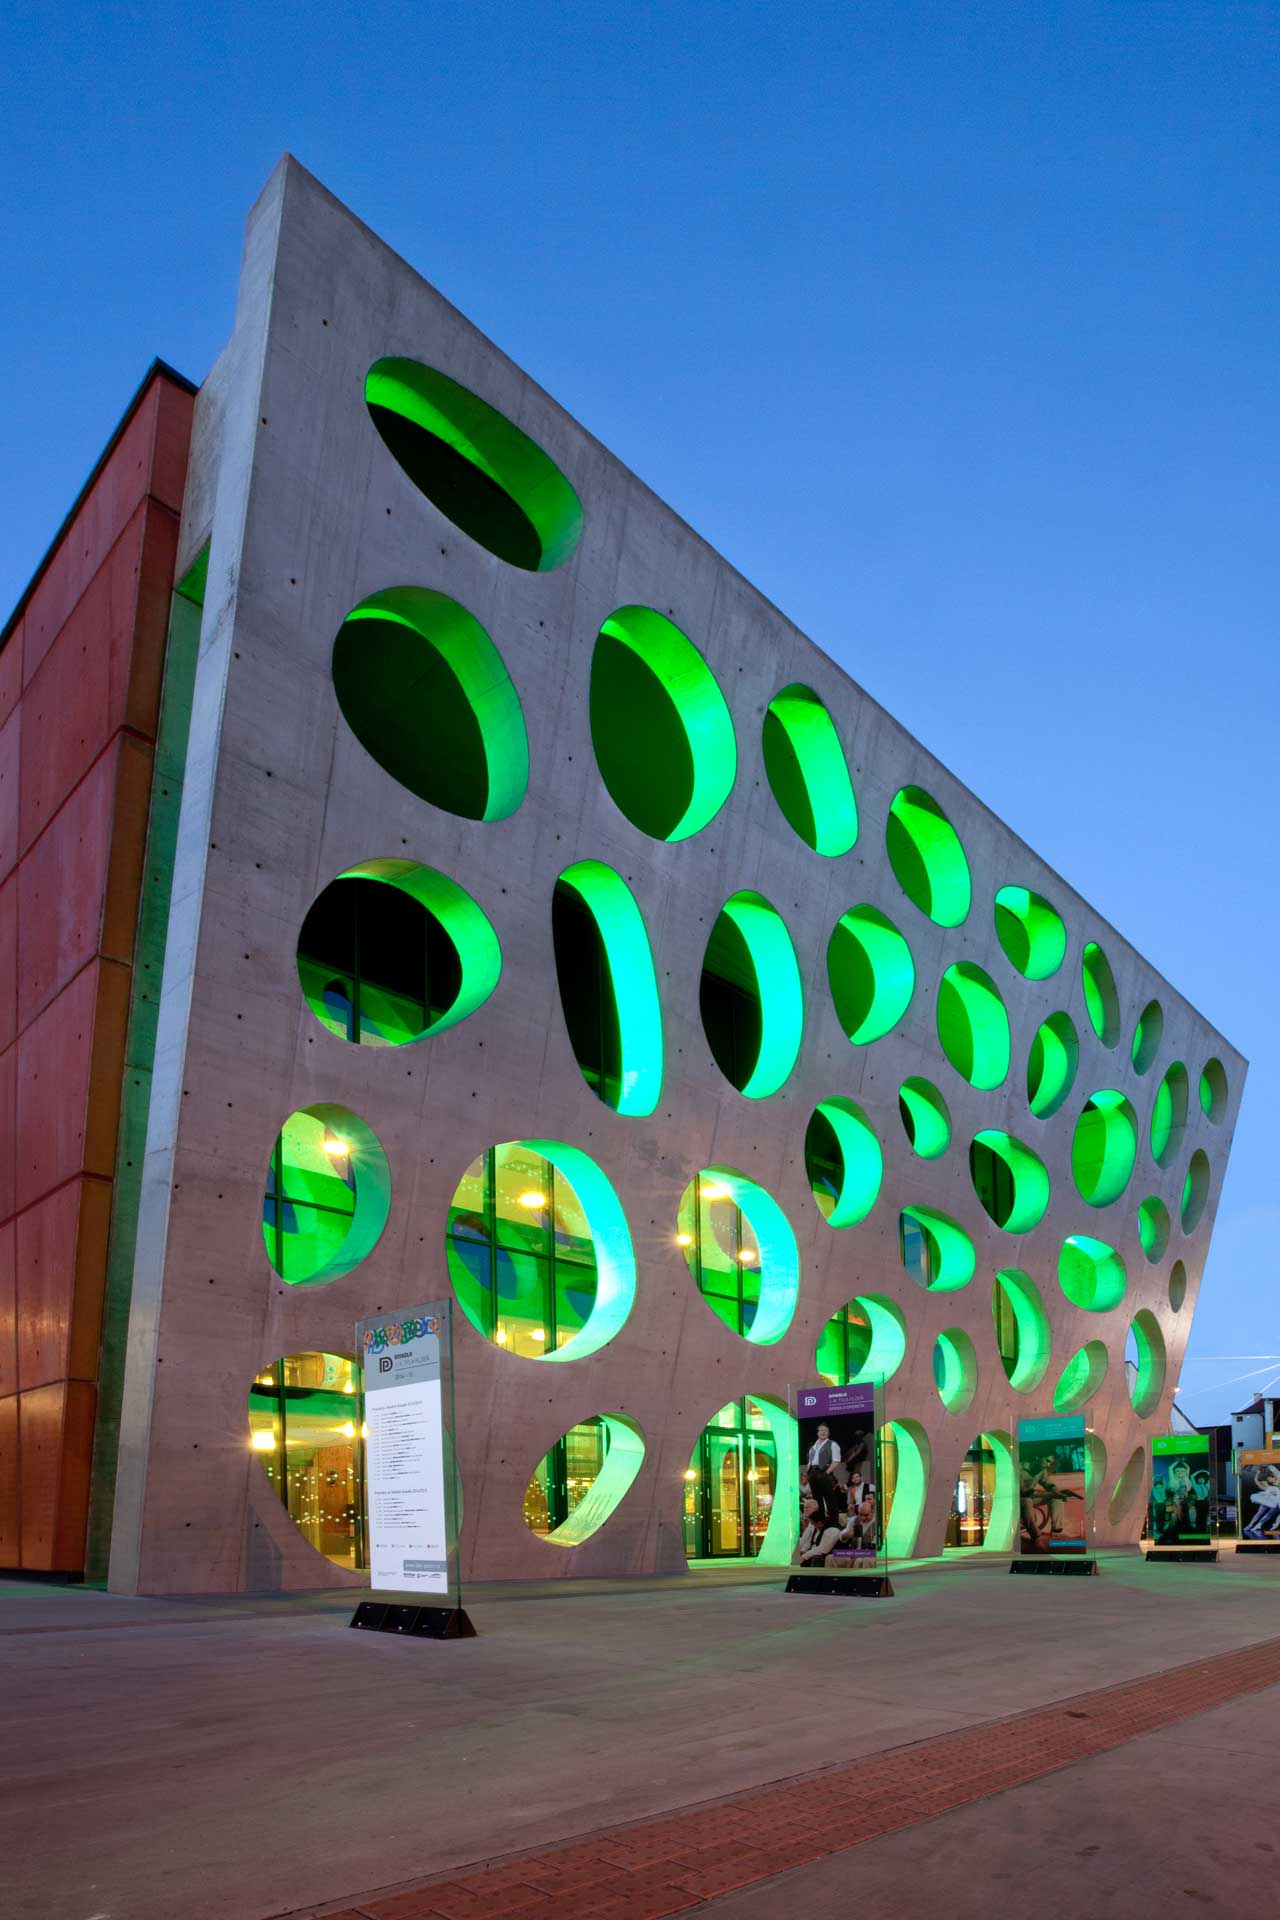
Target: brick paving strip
column 679, row 1861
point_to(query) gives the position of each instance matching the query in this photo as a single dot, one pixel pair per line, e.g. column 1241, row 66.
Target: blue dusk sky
column 953, row 326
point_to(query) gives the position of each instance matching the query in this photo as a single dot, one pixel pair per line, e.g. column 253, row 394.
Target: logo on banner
column 398, row 1333
column 386, row 1363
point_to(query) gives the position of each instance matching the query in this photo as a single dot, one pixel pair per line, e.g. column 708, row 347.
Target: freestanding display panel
column 839, row 1527
column 1053, row 1495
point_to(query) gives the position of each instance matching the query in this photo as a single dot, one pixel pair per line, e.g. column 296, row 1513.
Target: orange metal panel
column 10, row 1534
column 55, row 1446
column 8, row 1311
column 61, row 1262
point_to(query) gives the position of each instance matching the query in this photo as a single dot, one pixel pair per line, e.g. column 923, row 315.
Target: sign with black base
column 411, row 1493
column 1083, row 1565
column 839, row 1534
column 1183, row 1553
column 865, row 1586
column 1053, row 1507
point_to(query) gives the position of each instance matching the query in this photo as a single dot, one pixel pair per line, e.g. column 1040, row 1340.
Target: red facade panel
column 55, row 1454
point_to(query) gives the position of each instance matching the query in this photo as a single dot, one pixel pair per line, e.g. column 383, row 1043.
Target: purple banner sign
column 821, row 1403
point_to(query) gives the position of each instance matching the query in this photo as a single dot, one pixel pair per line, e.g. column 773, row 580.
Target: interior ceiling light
column 534, row 1200
column 336, row 1149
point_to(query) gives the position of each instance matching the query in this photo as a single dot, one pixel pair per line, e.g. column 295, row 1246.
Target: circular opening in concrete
column 1195, row 1191
column 662, row 734
column 1009, row 1180
column 973, row 1026
column 1101, row 1001
column 1031, row 932
column 1051, row 1065
column 1153, row 1228
column 1169, row 1116
column 539, row 1251
column 305, row 1419
column 1147, row 1376
column 742, row 1485
column 871, row 972
column 479, row 470
column 425, row 691
column 1023, row 1336
column 750, row 996
column 936, row 1251
column 328, row 1193
column 1177, row 1285
column 1147, row 1036
column 843, row 1161
column 583, row 1479
column 865, row 1340
column 392, row 951
column 808, row 772
column 1213, row 1092
column 955, row 1369
column 1091, row 1274
column 1104, row 1147
column 741, row 1252
column 1080, row 1379
column 927, row 858
column 925, row 1119
column 608, row 991
column 1128, row 1486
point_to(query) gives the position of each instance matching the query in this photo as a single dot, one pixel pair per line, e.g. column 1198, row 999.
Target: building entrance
column 730, row 1485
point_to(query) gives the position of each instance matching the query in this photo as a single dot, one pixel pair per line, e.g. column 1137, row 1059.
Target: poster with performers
column 1258, row 1474
column 1052, row 1505
column 1181, row 1490
column 839, row 1518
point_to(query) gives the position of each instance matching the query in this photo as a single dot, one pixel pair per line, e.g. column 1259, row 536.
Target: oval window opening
column 608, row 992
column 1080, row 1379
column 1177, row 1286
column 1169, row 1116
column 1101, row 1001
column 973, row 1026
column 425, row 691
column 1128, row 1486
column 1091, row 1274
column 479, row 470
column 750, row 996
column 1031, row 932
column 1051, row 1065
column 808, row 772
column 843, row 1161
column 927, row 858
column 866, row 1340
column 1104, row 1147
column 742, row 1485
column 660, row 728
column 1213, row 1092
column 925, row 1118
column 1009, row 1179
column 1147, row 1036
column 1023, row 1338
column 741, row 1252
column 306, row 1421
column 955, row 1369
column 327, row 1196
column 871, row 974
column 392, row 951
column 539, row 1252
column 584, row 1478
column 1153, row 1228
column 1195, row 1191
column 935, row 1249
column 1146, row 1369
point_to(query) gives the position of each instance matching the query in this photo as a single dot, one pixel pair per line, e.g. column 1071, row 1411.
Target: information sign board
column 839, row 1519
column 1258, row 1471
column 1052, row 1503
column 409, row 1499
column 1181, row 1490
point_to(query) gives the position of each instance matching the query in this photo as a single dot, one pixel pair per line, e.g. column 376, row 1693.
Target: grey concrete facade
column 305, row 513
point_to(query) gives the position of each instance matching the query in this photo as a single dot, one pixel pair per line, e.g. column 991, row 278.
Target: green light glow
column 1213, row 1092
column 935, row 1249
column 324, row 1211
column 808, row 772
column 1009, row 1179
column 482, row 472
column 1104, row 1147
column 927, row 858
column 955, row 1370
column 662, row 734
column 779, row 1535
column 1091, row 1274
column 910, row 1443
column 1147, row 1384
column 973, row 1026
column 611, row 1239
column 1002, row 1524
column 1101, row 1001
column 1051, row 1065
column 1195, row 1191
column 1031, row 932
column 884, row 1348
column 775, row 1269
column 623, row 1459
column 636, row 1007
column 1153, row 1228
column 1147, row 1036
column 840, row 1137
column 871, row 972
column 1169, row 1116
column 1018, row 1293
column 1129, row 1485
column 425, row 691
column 775, row 989
column 925, row 1118
column 1080, row 1378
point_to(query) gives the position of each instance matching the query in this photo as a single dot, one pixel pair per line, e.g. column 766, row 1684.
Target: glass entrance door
column 730, row 1485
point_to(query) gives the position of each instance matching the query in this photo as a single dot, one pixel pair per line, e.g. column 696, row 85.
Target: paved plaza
column 248, row 1758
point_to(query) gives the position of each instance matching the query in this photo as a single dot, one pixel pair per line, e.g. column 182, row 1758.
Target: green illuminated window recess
column 1009, row 1179
column 1213, row 1092
column 742, row 1485
column 871, row 974
column 1101, row 1001
column 1031, row 932
column 1195, row 1191
column 955, row 1370
column 843, row 1161
column 905, row 1464
column 663, row 738
column 426, row 693
column 306, row 1427
column 479, row 470
column 935, row 1250
column 1104, row 1147
column 1153, row 1227
column 1091, row 1274
column 925, row 1118
column 973, row 1027
column 985, row 1508
column 741, row 1252
column 1023, row 1337
column 750, row 996
column 1169, row 1116
column 1051, row 1065
column 607, row 987
column 808, row 772
column 1147, row 1036
column 1080, row 1378
column 583, row 1479
column 539, row 1252
column 927, row 858
column 1147, row 1376
column 327, row 1196
column 865, row 1340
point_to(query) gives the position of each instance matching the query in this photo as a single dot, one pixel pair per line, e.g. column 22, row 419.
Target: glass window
column 306, row 1425
column 730, row 1485
column 310, row 1197
column 722, row 1251
column 844, row 1344
column 520, row 1252
column 377, row 968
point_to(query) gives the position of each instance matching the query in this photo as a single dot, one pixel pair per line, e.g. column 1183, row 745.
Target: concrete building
column 531, row 916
